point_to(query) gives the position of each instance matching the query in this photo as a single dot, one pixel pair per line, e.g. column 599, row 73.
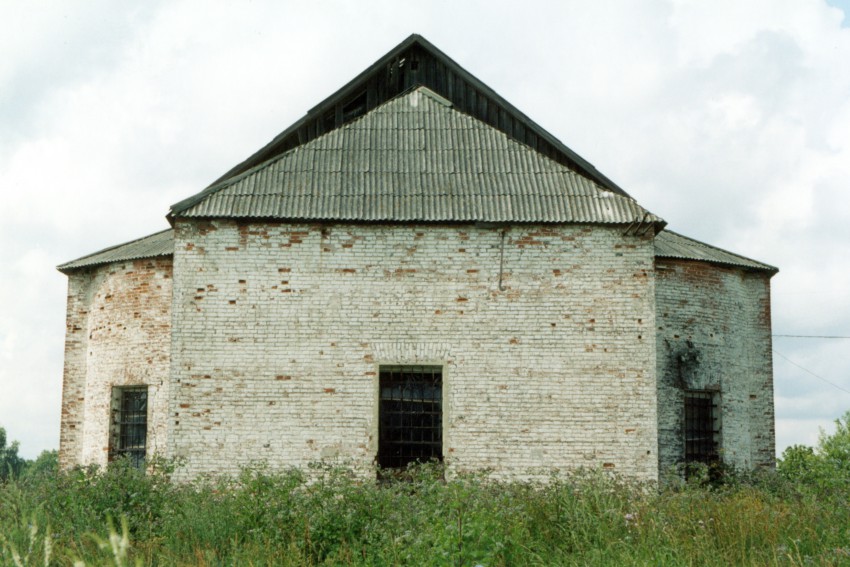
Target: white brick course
column 279, row 331
column 550, row 339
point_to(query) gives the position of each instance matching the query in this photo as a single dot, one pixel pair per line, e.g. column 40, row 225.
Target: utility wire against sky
column 834, row 385
column 812, row 336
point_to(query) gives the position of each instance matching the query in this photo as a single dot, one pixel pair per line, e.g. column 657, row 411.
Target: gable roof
column 415, row 158
column 157, row 244
column 669, row 244
column 416, row 62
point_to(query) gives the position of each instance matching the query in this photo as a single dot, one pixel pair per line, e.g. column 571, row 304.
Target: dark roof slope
column 416, row 62
column 415, row 158
column 669, row 244
column 159, row 244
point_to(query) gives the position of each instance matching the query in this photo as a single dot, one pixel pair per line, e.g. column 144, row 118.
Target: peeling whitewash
column 559, row 346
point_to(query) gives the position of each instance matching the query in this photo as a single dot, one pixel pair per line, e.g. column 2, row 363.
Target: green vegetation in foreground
column 799, row 515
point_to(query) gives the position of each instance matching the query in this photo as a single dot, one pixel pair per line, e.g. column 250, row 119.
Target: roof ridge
column 416, row 61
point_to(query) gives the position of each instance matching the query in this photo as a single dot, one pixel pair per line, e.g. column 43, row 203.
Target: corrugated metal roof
column 669, row 244
column 414, row 158
column 159, row 244
column 417, row 62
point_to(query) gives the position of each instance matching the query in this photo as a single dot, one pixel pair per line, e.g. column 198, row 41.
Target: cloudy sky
column 728, row 118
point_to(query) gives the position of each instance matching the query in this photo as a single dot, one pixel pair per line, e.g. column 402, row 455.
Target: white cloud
column 800, row 431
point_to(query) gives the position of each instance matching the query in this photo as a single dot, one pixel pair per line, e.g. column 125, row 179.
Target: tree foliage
column 835, row 449
column 46, row 464
column 11, row 464
column 825, row 467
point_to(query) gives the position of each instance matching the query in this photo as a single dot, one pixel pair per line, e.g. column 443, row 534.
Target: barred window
column 129, row 426
column 702, row 427
column 411, row 415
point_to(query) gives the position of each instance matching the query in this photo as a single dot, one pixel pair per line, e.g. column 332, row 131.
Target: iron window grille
column 410, row 415
column 702, row 428
column 129, row 423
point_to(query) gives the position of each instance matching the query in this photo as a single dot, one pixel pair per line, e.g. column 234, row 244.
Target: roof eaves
column 189, row 202
column 90, row 260
column 747, row 263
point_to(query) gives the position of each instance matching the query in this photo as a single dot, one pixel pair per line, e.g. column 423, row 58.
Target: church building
column 415, row 270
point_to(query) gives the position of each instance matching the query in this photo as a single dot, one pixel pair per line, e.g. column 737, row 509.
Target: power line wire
column 812, row 336
column 834, row 385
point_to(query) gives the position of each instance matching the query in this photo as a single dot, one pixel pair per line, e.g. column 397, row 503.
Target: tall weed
column 328, row 516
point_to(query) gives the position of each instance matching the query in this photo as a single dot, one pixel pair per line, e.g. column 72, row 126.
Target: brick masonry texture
column 714, row 334
column 546, row 335
column 118, row 334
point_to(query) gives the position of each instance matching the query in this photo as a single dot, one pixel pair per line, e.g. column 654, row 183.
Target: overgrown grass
column 121, row 516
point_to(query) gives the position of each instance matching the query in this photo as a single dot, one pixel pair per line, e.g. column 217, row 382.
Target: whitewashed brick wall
column 118, row 334
column 279, row 330
column 717, row 320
